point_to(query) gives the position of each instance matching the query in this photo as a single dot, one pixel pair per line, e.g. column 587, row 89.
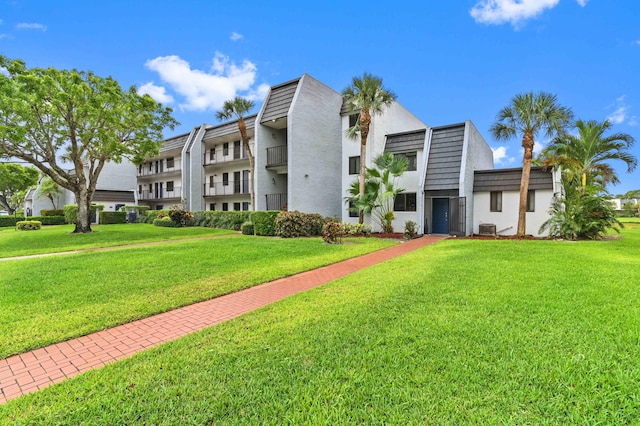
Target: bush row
column 44, row 220
column 28, row 225
column 108, row 218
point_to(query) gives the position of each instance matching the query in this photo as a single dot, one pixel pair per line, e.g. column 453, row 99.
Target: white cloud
column 235, row 36
column 31, row 26
column 621, row 113
column 206, row 90
column 158, row 93
column 500, row 156
column 512, row 11
column 637, row 42
column 582, row 3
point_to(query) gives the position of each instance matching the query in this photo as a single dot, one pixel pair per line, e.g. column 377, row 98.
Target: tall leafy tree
column 367, row 96
column 238, row 107
column 50, row 190
column 15, row 178
column 61, row 119
column 528, row 115
column 585, row 157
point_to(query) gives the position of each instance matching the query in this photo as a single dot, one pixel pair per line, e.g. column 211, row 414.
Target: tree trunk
column 527, row 144
column 365, row 121
column 242, row 127
column 83, row 220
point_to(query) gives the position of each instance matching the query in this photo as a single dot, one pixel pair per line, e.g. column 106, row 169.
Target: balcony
column 218, row 156
column 276, row 201
column 277, row 158
column 216, row 189
column 144, row 172
column 160, row 194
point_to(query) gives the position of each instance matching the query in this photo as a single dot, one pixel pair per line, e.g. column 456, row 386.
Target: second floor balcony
column 160, row 194
column 214, row 189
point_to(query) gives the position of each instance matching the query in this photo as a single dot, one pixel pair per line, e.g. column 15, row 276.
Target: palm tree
column 529, row 114
column 367, row 96
column 49, row 189
column 238, row 107
column 585, row 154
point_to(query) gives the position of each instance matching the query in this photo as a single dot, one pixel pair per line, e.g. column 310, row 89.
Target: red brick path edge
column 31, row 371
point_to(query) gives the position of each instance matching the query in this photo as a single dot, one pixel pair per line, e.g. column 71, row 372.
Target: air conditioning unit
column 487, row 229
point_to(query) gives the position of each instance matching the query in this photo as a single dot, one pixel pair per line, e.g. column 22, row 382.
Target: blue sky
column 447, row 61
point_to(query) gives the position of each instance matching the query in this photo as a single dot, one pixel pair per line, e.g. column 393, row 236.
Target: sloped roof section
column 509, row 179
column 228, row 128
column 176, row 142
column 445, row 158
column 406, row 141
column 279, row 100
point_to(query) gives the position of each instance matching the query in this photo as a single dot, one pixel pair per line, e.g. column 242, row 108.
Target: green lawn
column 461, row 332
column 46, row 300
column 52, row 239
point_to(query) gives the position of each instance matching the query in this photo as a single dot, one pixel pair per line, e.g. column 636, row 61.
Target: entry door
column 440, row 214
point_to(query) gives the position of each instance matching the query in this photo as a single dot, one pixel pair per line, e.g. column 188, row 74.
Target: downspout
column 422, row 215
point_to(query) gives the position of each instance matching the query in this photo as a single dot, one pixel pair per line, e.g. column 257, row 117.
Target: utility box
column 487, row 229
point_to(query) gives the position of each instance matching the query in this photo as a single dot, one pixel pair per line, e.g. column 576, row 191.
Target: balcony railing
column 218, row 158
column 160, row 194
column 146, row 172
column 277, row 156
column 276, row 201
column 228, row 188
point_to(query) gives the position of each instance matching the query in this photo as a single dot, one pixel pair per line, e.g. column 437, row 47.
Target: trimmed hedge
column 56, row 212
column 165, row 222
column 218, row 219
column 297, row 224
column 28, row 225
column 150, row 215
column 44, row 220
column 247, row 228
column 71, row 212
column 9, row 220
column 110, row 218
column 264, row 222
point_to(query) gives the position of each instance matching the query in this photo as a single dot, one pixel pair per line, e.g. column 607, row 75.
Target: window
column 225, row 149
column 354, row 165
column 212, row 154
column 212, row 206
column 139, row 189
column 412, row 159
column 169, row 186
column 225, row 207
column 245, row 181
column 225, row 179
column 211, row 182
column 496, row 201
column 159, row 207
column 353, row 119
column 170, row 163
column 531, row 200
column 236, row 207
column 245, row 206
column 236, row 150
column 236, row 183
column 405, row 202
column 352, row 211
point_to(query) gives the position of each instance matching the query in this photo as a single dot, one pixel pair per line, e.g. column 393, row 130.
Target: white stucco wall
column 394, row 119
column 476, row 155
column 314, row 149
column 507, row 221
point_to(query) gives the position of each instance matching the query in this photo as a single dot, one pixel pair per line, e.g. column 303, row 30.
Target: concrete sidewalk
column 31, row 371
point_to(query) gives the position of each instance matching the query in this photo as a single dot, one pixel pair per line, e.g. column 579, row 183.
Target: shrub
column 355, row 228
column 410, row 229
column 71, row 213
column 220, row 219
column 264, row 222
column 50, row 220
column 247, row 228
column 28, row 225
column 9, row 220
column 297, row 224
column 333, row 232
column 56, row 212
column 180, row 216
column 165, row 222
column 108, row 218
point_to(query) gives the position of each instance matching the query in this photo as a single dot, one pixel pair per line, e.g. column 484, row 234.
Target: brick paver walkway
column 30, row 371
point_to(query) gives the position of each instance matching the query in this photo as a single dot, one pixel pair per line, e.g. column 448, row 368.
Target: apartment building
column 304, row 161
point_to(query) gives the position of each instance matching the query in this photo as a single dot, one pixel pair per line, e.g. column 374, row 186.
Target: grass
column 47, row 300
column 462, row 332
column 52, row 239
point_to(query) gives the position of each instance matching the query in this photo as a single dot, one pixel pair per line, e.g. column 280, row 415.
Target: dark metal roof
column 279, row 101
column 445, row 158
column 406, row 141
column 229, row 127
column 115, row 196
column 509, row 179
column 176, row 142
